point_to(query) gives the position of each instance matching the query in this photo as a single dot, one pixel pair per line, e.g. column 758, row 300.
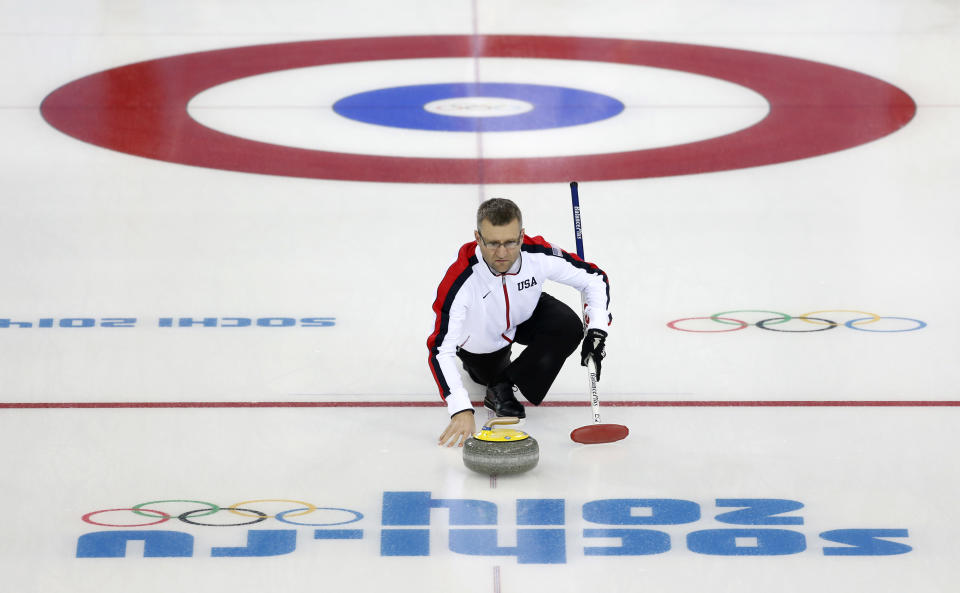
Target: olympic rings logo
column 239, row 509
column 865, row 324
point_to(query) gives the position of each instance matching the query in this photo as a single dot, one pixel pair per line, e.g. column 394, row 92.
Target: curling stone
column 497, row 451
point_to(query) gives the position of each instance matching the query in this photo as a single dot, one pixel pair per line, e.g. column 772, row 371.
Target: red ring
column 86, row 517
column 141, row 109
column 672, row 325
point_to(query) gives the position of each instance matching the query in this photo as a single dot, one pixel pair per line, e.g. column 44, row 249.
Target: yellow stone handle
column 501, row 420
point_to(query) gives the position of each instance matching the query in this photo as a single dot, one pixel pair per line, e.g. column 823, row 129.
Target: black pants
column 551, row 335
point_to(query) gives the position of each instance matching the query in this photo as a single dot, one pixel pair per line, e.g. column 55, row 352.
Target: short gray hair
column 498, row 212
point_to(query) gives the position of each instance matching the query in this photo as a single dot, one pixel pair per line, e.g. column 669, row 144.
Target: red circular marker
column 141, row 109
column 163, row 517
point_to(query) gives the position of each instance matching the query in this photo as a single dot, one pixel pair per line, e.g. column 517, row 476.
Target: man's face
column 499, row 245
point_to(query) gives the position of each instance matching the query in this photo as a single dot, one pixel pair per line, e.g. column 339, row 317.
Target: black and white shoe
column 501, row 400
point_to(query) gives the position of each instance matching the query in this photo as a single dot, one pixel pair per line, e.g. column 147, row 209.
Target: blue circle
column 553, row 107
column 283, row 517
column 920, row 325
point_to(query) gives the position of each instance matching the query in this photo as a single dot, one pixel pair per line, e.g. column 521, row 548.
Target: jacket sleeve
column 450, row 309
column 586, row 277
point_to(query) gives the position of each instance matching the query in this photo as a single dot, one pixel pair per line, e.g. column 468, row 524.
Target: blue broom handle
column 577, row 226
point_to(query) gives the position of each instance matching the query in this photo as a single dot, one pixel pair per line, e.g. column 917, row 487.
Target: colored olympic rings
column 723, row 318
column 157, row 516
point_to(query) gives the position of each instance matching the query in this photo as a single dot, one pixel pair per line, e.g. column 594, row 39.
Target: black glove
column 593, row 347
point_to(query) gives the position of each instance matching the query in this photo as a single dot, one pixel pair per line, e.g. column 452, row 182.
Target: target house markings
column 815, row 109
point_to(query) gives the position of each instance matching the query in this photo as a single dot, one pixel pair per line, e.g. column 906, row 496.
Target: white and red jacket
column 478, row 309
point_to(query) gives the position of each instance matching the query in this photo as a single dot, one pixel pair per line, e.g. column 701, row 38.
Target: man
column 484, row 304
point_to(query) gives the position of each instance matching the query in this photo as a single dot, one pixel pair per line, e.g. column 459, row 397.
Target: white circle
column 661, row 108
column 478, row 107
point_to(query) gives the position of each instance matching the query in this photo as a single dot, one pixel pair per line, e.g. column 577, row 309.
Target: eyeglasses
column 509, row 245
